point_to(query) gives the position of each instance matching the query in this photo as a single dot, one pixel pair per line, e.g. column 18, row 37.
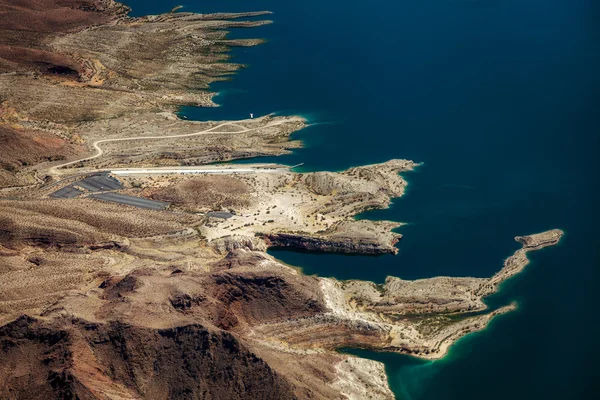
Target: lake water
column 500, row 101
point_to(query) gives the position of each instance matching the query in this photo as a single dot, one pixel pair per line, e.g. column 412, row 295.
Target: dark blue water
column 500, row 100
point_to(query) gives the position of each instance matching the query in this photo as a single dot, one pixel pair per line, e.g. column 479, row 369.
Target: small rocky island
column 133, row 267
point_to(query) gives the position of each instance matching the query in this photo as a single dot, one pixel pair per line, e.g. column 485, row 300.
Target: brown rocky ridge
column 101, row 300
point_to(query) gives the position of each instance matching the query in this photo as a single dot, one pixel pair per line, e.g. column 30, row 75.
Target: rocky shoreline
column 101, row 300
column 422, row 318
column 323, row 244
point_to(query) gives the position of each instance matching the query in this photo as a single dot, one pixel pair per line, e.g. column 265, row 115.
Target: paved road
column 236, row 170
column 99, row 151
column 131, row 200
column 99, row 183
column 67, row 192
column 94, row 183
column 220, row 214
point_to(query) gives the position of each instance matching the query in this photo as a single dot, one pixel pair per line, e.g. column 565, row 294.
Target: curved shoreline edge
column 156, row 280
column 512, row 266
column 404, row 316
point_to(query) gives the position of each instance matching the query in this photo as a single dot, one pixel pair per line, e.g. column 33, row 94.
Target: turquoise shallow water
column 500, row 101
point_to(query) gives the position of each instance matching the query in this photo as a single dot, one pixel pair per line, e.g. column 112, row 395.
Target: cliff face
column 349, row 237
column 240, row 326
column 109, row 301
column 75, row 359
column 348, row 245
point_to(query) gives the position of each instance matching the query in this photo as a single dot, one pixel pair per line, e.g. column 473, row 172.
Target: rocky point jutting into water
column 130, row 269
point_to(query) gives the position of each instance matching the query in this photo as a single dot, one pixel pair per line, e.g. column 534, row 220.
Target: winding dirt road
column 99, row 151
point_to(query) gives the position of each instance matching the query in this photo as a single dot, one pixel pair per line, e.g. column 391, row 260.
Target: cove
column 499, row 100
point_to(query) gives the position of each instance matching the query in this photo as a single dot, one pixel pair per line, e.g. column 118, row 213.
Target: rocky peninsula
column 131, row 269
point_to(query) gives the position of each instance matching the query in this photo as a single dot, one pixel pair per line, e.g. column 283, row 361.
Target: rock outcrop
column 169, row 328
column 350, row 237
column 70, row 359
column 108, row 301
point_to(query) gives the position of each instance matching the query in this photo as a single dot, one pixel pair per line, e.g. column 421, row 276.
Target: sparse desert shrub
column 210, row 192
